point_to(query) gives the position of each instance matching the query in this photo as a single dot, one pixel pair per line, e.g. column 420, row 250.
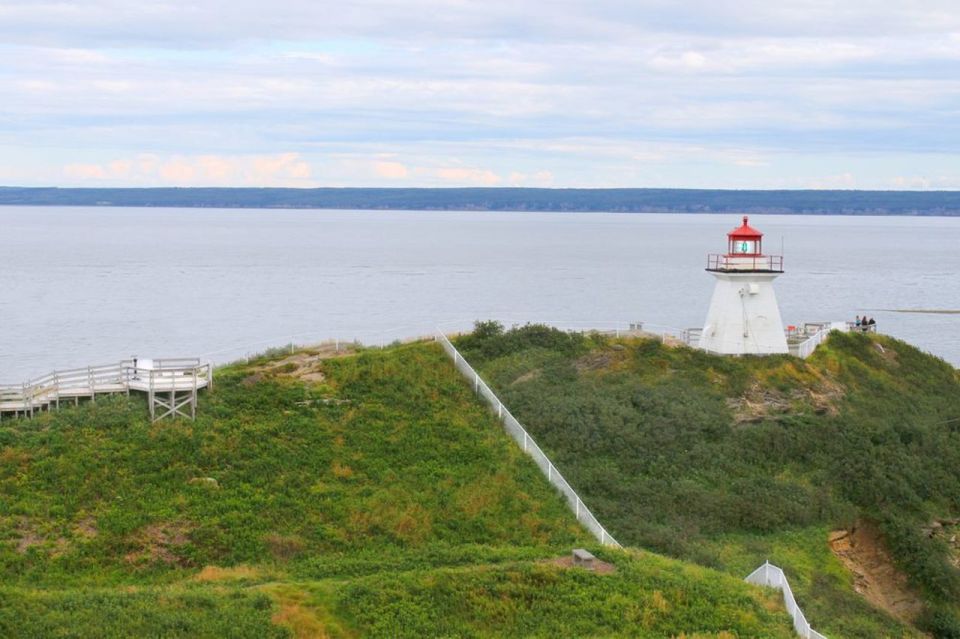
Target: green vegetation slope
column 731, row 461
column 320, row 496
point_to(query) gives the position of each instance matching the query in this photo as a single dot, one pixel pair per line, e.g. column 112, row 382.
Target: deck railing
column 163, row 375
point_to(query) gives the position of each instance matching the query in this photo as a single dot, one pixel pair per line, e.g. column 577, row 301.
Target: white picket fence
column 773, row 577
column 529, row 446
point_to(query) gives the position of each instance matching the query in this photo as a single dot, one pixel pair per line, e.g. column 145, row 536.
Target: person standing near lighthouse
column 744, row 317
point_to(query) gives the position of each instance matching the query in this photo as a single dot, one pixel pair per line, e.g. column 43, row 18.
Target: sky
column 441, row 93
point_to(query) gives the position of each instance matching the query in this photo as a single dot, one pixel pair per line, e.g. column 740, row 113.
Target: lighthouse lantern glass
column 741, row 246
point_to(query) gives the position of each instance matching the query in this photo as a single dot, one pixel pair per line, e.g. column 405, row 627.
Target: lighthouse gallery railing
column 724, row 262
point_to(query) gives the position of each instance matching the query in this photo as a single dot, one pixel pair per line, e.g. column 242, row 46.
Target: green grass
column 384, row 500
column 647, row 596
column 705, row 457
column 150, row 612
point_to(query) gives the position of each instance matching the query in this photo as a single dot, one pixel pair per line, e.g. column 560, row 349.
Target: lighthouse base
column 744, row 317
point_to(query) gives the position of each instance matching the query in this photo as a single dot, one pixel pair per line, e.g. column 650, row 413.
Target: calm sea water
column 91, row 285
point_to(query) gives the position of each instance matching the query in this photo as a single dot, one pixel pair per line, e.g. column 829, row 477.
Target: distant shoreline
column 779, row 202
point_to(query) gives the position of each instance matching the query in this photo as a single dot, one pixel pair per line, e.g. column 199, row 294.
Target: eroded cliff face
column 875, row 577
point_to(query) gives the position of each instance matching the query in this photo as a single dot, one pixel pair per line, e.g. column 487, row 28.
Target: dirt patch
column 527, row 377
column 600, row 567
column 86, row 528
column 314, row 377
column 305, row 619
column 284, row 547
column 874, row 576
column 161, row 543
column 303, row 364
column 757, row 404
column 27, row 536
column 825, row 398
column 762, row 402
column 299, row 620
column 252, row 380
column 235, row 573
column 597, row 360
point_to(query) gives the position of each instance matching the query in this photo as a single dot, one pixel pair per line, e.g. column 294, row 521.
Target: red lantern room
column 745, row 253
column 745, row 241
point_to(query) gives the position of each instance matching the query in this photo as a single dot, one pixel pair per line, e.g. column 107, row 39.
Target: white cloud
column 535, row 179
column 463, row 176
column 685, row 61
column 86, row 172
column 390, row 170
column 924, row 183
column 284, row 169
column 844, row 180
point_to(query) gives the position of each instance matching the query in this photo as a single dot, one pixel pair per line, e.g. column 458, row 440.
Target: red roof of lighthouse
column 745, row 231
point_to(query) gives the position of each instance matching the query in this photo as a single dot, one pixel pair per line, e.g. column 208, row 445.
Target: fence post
column 476, row 383
column 500, row 409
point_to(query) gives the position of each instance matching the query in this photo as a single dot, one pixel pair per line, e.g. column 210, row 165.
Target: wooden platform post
column 175, row 407
column 193, row 398
column 150, row 399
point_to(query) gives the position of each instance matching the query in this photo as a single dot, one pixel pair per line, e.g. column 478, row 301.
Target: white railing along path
column 773, row 577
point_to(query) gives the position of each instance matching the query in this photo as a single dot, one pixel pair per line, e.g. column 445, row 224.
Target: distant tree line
column 505, row 199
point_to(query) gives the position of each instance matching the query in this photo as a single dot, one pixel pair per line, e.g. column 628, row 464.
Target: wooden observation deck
column 171, row 386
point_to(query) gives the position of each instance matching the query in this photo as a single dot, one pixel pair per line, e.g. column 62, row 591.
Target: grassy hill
column 320, row 496
column 731, row 461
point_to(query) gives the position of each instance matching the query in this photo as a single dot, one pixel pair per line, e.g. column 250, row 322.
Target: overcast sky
column 591, row 93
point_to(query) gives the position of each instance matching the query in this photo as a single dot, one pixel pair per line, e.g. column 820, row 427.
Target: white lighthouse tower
column 744, row 317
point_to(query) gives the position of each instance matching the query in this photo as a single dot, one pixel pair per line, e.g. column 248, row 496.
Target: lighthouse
column 744, row 317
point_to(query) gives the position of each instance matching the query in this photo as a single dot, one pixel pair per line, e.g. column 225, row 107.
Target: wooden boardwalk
column 171, row 387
